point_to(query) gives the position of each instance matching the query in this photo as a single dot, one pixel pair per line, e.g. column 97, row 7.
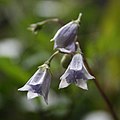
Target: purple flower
column 76, row 73
column 64, row 39
column 39, row 83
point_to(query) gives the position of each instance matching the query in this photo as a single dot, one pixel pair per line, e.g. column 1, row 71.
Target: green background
column 21, row 52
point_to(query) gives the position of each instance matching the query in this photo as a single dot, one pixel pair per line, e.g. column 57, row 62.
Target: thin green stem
column 51, row 20
column 51, row 57
column 78, row 48
column 79, row 18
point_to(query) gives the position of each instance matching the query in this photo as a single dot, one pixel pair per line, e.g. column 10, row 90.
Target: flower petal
column 45, row 86
column 38, row 77
column 63, row 84
column 86, row 73
column 76, row 63
column 61, row 32
column 82, row 84
column 31, row 95
column 65, row 74
column 65, row 38
column 68, row 49
column 25, row 88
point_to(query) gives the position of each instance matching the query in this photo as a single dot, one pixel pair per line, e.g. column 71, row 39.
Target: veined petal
column 86, row 73
column 76, row 63
column 46, row 86
column 68, row 49
column 39, row 84
column 82, row 84
column 31, row 95
column 62, row 30
column 63, row 84
column 38, row 77
column 64, row 39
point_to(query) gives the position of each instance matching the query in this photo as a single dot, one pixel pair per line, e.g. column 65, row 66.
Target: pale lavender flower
column 39, row 83
column 64, row 39
column 76, row 73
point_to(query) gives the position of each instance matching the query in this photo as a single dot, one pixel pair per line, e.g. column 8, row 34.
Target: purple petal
column 39, row 84
column 38, row 77
column 46, row 86
column 68, row 49
column 65, row 37
column 71, row 77
column 62, row 33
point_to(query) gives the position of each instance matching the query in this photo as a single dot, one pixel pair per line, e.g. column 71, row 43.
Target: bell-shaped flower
column 38, row 84
column 76, row 73
column 65, row 38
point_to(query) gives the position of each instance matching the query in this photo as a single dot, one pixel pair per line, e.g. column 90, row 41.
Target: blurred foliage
column 21, row 52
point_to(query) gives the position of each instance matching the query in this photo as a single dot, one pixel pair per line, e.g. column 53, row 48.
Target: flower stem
column 51, row 57
column 79, row 18
column 106, row 99
column 51, row 20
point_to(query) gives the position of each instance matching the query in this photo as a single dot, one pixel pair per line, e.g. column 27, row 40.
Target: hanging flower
column 35, row 27
column 65, row 38
column 76, row 73
column 39, row 83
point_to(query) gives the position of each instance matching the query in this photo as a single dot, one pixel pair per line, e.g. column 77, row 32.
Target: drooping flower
column 38, row 84
column 65, row 38
column 35, row 27
column 76, row 73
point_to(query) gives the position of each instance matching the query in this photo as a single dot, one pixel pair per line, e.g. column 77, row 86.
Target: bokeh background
column 21, row 52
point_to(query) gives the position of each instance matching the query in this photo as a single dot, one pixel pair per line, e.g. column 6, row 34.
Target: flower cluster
column 65, row 41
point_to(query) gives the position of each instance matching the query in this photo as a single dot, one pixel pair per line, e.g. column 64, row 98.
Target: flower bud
column 35, row 27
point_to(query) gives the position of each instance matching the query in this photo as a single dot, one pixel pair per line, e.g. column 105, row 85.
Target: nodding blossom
column 76, row 73
column 38, row 84
column 65, row 38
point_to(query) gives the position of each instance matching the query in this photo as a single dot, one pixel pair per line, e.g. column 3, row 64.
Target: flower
column 38, row 84
column 35, row 27
column 64, row 39
column 76, row 73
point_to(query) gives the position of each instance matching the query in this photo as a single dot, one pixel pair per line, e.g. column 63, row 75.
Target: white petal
column 24, row 88
column 82, row 84
column 86, row 73
column 63, row 84
column 64, row 50
column 65, row 74
column 77, row 62
column 31, row 95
